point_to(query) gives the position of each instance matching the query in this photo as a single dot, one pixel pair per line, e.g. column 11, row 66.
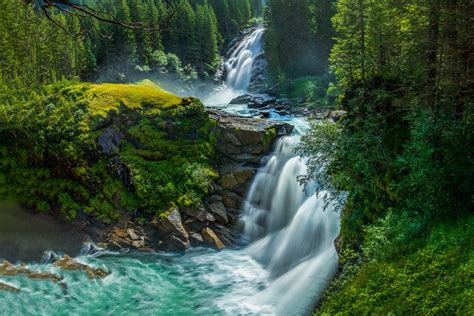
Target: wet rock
column 243, row 99
column 171, row 230
column 211, row 238
column 218, row 209
column 8, row 288
column 69, row 264
column 243, row 139
column 9, row 269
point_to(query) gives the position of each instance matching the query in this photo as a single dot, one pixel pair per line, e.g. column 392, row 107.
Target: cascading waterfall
column 238, row 68
column 292, row 231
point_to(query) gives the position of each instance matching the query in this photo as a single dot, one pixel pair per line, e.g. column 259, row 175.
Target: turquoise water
column 203, row 282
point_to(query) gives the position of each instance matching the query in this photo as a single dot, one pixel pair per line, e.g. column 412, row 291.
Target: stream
column 287, row 258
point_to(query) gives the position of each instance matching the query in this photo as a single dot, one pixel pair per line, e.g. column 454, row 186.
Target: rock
column 9, row 269
column 200, row 213
column 236, row 176
column 69, row 264
column 129, row 237
column 8, row 288
column 336, row 116
column 196, row 239
column 225, row 234
column 131, row 233
column 231, row 199
column 171, row 230
column 244, row 139
column 211, row 238
column 109, row 140
column 218, row 209
column 261, row 100
column 243, row 99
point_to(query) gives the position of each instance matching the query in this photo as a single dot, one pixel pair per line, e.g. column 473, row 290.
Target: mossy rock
column 51, row 160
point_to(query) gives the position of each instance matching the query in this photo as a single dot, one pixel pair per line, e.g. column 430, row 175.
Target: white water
column 238, row 68
column 292, row 233
column 290, row 228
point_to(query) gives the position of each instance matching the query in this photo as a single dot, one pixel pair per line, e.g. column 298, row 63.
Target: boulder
column 200, row 213
column 171, row 230
column 218, row 209
column 211, row 238
column 243, row 99
column 261, row 100
column 231, row 199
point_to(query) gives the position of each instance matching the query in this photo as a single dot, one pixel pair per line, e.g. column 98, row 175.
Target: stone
column 171, row 230
column 9, row 269
column 69, row 264
column 218, row 209
column 132, row 234
column 196, row 238
column 336, row 116
column 109, row 140
column 231, row 199
column 211, row 238
column 200, row 213
column 243, row 99
column 261, row 100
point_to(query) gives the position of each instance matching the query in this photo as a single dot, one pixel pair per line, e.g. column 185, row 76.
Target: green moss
column 49, row 159
column 422, row 276
column 270, row 135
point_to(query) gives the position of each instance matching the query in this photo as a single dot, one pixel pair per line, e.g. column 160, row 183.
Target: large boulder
column 170, row 228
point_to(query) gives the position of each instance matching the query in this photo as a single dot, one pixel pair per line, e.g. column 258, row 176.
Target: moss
column 50, row 161
column 431, row 275
column 270, row 135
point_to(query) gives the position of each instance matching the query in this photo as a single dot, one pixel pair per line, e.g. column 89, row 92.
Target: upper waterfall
column 238, row 68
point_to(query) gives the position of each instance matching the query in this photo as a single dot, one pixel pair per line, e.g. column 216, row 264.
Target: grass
column 108, row 97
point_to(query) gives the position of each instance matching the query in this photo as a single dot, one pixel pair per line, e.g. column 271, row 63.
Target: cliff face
column 132, row 165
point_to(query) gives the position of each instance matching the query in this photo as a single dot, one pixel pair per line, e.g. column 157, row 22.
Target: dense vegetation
column 34, row 50
column 103, row 149
column 403, row 152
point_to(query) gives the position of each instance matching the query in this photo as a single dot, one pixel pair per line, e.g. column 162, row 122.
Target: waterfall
column 291, row 231
column 238, row 68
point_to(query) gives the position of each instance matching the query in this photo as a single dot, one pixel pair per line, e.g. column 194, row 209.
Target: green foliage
column 34, row 50
column 50, row 158
column 426, row 275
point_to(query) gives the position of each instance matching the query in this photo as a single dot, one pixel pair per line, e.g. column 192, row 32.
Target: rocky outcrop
column 170, row 228
column 69, row 264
